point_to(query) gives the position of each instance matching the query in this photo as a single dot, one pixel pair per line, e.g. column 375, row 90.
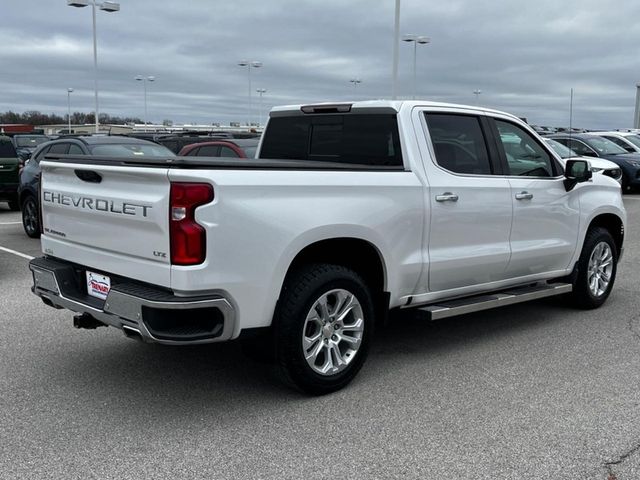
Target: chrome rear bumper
column 153, row 314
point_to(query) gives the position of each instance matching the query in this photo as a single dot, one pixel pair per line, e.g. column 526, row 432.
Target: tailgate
column 113, row 219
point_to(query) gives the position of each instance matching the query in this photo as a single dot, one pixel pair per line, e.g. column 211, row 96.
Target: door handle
column 524, row 196
column 447, row 197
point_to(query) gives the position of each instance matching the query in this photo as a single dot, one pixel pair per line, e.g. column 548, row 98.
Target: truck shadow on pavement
column 143, row 379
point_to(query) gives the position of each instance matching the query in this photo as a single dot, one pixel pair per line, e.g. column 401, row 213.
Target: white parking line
column 10, row 223
column 631, row 198
column 19, row 254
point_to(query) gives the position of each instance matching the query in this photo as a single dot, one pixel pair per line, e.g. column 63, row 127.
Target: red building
column 15, row 128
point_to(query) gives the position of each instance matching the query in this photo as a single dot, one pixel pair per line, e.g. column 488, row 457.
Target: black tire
column 301, row 291
column 31, row 217
column 14, row 205
column 582, row 295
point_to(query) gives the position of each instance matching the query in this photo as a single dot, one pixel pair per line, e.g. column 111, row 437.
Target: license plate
column 98, row 285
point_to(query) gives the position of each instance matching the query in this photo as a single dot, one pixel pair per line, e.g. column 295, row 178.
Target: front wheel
column 595, row 272
column 323, row 327
column 31, row 217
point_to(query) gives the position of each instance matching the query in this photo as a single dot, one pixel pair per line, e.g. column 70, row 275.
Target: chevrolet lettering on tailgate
column 92, row 203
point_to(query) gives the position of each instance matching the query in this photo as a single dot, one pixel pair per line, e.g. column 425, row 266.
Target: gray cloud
column 525, row 56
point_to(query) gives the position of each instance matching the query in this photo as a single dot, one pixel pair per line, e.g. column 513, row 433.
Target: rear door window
column 228, row 152
column 370, row 139
column 459, row 143
column 75, row 150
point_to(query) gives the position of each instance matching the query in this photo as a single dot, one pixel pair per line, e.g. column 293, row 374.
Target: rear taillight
column 188, row 238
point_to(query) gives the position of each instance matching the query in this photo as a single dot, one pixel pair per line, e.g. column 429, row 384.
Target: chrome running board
column 478, row 303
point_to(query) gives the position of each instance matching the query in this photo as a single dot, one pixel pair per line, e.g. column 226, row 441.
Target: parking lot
column 529, row 391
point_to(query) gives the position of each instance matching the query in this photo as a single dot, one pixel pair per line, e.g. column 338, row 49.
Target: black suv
column 9, row 166
column 115, row 146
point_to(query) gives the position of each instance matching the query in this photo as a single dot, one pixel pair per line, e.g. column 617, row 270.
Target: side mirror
column 575, row 172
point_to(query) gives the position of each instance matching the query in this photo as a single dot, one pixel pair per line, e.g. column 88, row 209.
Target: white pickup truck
column 348, row 211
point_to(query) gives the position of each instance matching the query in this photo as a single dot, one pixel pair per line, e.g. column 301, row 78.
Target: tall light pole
column 144, row 81
column 107, row 7
column 416, row 39
column 69, row 90
column 396, row 46
column 249, row 65
column 355, row 82
column 477, row 93
column 261, row 91
column 636, row 115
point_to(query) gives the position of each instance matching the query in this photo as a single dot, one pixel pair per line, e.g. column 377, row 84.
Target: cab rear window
column 370, row 139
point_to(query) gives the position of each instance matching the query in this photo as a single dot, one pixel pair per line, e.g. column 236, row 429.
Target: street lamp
column 144, row 81
column 261, row 91
column 416, row 39
column 69, row 90
column 477, row 93
column 249, row 65
column 107, row 7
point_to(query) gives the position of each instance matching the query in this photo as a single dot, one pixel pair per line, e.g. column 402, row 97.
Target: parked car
column 542, row 130
column 589, row 145
column 115, row 146
column 628, row 140
column 9, row 166
column 598, row 165
column 348, row 210
column 240, row 148
column 26, row 144
column 176, row 142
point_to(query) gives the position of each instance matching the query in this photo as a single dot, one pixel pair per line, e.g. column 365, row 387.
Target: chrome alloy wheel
column 600, row 269
column 332, row 332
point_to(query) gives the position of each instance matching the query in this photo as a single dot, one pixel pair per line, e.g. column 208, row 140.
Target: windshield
column 635, row 139
column 560, row 149
column 131, row 150
column 30, row 141
column 604, row 146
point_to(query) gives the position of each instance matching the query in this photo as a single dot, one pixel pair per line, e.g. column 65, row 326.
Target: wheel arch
column 358, row 254
column 24, row 193
column 613, row 224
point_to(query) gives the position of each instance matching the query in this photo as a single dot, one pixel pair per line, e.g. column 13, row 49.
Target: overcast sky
column 524, row 55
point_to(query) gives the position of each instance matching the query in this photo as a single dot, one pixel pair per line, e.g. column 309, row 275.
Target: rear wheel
column 595, row 272
column 30, row 217
column 323, row 328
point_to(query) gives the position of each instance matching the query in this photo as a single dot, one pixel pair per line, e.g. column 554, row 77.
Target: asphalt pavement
column 532, row 391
